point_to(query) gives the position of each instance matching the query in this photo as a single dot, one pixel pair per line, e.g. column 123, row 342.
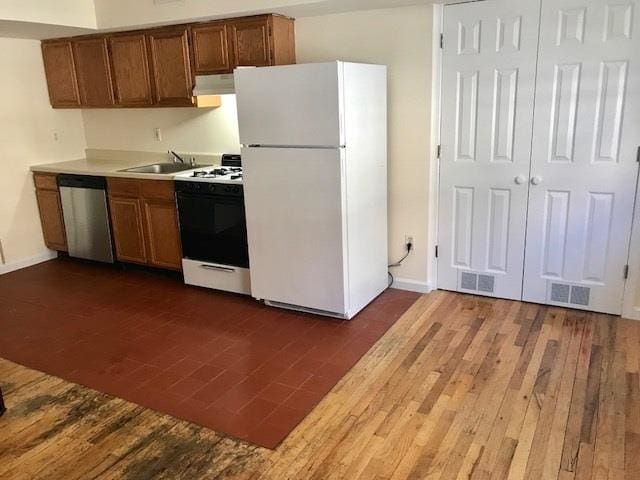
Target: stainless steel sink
column 161, row 168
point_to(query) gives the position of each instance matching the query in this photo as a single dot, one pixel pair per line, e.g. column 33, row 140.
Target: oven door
column 213, row 228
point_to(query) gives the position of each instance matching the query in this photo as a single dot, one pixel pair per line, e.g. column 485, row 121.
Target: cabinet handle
column 218, row 269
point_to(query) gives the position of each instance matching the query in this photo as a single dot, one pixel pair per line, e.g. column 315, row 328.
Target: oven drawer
column 219, row 277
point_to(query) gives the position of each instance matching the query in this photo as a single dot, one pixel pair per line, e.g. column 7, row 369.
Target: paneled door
column 584, row 167
column 488, row 84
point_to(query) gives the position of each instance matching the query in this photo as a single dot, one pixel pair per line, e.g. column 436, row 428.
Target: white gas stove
column 213, row 226
column 231, row 175
column 230, row 172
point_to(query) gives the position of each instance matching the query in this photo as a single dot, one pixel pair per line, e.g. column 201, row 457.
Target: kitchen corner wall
column 27, row 137
column 401, row 39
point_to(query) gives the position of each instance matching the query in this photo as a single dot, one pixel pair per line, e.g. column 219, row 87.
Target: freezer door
column 292, row 105
column 295, row 225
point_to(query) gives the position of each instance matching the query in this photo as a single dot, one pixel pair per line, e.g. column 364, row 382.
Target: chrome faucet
column 176, row 158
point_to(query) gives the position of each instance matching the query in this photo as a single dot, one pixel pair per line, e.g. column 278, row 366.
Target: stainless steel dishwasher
column 86, row 217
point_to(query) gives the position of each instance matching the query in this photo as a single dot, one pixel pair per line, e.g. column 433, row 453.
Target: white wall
column 27, row 138
column 74, row 13
column 183, row 129
column 401, row 39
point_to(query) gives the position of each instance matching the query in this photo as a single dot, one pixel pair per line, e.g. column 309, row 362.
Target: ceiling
column 23, row 21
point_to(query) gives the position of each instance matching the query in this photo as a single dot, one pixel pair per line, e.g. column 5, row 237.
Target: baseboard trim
column 411, row 285
column 28, row 262
column 631, row 314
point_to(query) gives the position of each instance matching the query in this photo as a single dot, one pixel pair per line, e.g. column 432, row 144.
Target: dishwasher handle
column 82, row 181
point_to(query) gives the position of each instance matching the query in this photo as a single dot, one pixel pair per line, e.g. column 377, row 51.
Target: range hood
column 207, row 85
column 214, row 85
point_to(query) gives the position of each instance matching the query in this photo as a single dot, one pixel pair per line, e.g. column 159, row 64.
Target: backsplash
column 181, row 129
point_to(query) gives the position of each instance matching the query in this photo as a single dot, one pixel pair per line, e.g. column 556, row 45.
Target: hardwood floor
column 460, row 387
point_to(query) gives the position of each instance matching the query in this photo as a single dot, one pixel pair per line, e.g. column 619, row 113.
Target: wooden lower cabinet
column 50, row 209
column 128, row 229
column 163, row 236
column 145, row 222
column 52, row 220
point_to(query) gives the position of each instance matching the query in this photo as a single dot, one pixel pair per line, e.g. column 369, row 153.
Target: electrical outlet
column 56, row 137
column 157, row 134
column 408, row 239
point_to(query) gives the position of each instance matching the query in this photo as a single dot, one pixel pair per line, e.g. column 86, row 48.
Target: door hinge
column 439, row 150
column 626, row 272
column 638, row 155
column 436, row 251
column 442, row 40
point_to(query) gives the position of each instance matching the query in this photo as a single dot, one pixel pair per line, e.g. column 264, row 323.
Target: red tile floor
column 220, row 360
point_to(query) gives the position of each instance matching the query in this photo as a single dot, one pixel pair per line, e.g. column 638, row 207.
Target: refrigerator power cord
column 409, row 247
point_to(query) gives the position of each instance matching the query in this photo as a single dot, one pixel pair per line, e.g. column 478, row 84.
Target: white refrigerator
column 314, row 158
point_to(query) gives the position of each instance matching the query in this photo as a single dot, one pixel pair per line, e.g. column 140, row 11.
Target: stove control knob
column 212, row 188
column 236, row 189
column 196, row 186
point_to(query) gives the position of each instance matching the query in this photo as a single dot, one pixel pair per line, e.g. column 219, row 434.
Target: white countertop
column 111, row 164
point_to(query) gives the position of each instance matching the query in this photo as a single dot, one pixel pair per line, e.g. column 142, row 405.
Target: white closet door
column 584, row 169
column 489, row 63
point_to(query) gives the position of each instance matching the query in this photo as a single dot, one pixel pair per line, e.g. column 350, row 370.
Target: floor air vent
column 477, row 282
column 570, row 294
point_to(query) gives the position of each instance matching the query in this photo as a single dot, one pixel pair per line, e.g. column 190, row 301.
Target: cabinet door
column 93, row 72
column 163, row 235
column 51, row 219
column 171, row 66
column 61, row 75
column 250, row 41
column 128, row 228
column 130, row 69
column 211, row 55
column 283, row 39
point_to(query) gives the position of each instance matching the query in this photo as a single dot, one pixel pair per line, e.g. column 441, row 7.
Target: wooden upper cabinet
column 157, row 67
column 283, row 40
column 210, row 49
column 61, row 74
column 171, row 66
column 250, row 43
column 130, row 70
column 93, row 72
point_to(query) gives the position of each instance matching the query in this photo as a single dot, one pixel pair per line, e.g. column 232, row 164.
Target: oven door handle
column 218, row 269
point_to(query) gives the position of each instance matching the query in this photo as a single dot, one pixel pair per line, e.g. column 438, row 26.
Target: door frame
column 631, row 298
column 434, row 164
